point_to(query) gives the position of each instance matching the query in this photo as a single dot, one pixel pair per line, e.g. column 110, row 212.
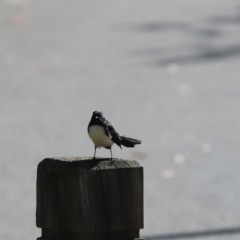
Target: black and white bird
column 104, row 135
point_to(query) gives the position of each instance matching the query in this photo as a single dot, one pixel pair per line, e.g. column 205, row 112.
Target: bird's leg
column 95, row 153
column 111, row 162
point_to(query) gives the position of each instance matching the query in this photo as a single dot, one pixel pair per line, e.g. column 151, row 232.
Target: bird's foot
column 111, row 162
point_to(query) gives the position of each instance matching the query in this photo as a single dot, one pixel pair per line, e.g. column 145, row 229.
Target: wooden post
column 85, row 199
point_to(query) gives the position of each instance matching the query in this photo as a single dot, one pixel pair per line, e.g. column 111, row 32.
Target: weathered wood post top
column 85, row 199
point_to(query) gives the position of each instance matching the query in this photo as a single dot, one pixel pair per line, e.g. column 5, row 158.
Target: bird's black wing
column 111, row 132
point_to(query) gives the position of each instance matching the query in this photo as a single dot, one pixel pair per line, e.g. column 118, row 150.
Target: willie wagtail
column 103, row 134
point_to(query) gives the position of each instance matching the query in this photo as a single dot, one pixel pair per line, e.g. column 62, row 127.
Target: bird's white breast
column 98, row 136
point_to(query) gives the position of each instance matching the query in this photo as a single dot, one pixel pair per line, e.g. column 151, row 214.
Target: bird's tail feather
column 129, row 142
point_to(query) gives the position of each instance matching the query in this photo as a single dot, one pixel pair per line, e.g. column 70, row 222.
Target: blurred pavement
column 166, row 72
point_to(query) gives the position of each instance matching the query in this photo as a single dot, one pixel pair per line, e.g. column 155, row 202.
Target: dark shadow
column 225, row 20
column 204, row 35
column 158, row 26
column 196, row 234
column 208, row 33
column 209, row 55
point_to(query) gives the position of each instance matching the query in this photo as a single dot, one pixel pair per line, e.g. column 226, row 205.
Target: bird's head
column 97, row 114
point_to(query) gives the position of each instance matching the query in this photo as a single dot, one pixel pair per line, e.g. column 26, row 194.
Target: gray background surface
column 166, row 72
